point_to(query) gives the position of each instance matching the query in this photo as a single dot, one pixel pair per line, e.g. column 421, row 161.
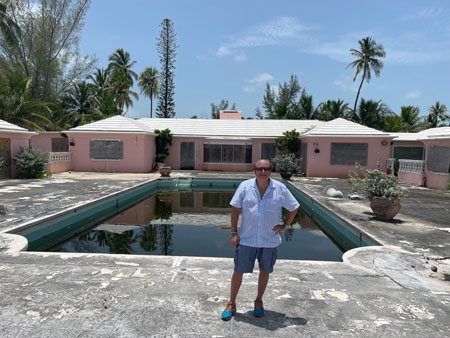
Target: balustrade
column 411, row 166
column 59, row 157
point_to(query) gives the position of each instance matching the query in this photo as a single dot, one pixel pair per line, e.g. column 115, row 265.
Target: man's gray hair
column 263, row 159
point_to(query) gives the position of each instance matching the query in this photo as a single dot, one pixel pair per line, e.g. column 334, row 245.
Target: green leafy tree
column 438, row 115
column 289, row 142
column 367, row 59
column 163, row 138
column 167, row 46
column 47, row 47
column 216, row 108
column 333, row 109
column 283, row 104
column 149, row 84
column 30, row 162
column 101, row 81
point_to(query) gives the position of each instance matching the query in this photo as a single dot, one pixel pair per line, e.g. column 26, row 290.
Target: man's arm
column 234, row 223
column 289, row 218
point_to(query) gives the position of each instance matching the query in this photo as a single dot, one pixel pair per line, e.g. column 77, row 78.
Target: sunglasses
column 265, row 169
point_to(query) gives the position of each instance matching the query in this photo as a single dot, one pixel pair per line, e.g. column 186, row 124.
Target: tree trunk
column 151, row 106
column 357, row 95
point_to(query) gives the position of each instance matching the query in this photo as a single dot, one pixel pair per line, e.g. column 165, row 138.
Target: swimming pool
column 48, row 233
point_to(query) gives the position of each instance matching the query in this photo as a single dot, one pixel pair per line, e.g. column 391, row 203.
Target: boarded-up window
column 106, row 149
column 438, row 159
column 349, row 153
column 60, row 144
column 227, row 153
column 408, row 153
column 268, row 151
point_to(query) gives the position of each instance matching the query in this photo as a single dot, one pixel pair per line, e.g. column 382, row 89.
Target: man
column 260, row 199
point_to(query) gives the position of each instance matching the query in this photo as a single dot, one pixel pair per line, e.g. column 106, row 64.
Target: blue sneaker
column 229, row 311
column 259, row 308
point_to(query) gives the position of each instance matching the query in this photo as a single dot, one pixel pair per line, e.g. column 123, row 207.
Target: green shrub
column 375, row 182
column 3, row 210
column 30, row 162
column 286, row 162
column 289, row 142
column 163, row 138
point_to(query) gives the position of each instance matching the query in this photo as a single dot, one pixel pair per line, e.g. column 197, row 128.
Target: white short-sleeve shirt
column 259, row 216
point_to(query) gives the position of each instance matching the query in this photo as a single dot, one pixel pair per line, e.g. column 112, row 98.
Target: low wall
column 53, row 168
column 412, row 178
column 437, row 180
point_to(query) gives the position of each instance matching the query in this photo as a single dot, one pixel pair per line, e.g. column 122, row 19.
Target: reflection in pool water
column 189, row 223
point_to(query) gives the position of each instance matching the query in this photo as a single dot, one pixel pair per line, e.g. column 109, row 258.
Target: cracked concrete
column 387, row 290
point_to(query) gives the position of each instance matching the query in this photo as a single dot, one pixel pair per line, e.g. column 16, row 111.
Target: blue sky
column 231, row 49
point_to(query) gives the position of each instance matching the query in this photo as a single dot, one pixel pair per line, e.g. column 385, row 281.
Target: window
column 227, row 153
column 268, row 151
column 349, row 153
column 106, row 149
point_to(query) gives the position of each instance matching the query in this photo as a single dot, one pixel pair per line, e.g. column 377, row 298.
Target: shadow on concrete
column 374, row 218
column 271, row 321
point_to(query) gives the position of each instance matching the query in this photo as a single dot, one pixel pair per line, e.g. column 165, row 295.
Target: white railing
column 59, row 157
column 390, row 163
column 411, row 166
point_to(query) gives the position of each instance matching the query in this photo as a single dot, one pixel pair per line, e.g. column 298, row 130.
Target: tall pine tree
column 166, row 47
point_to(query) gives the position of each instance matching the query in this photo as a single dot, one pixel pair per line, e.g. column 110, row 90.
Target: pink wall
column 318, row 164
column 43, row 140
column 412, row 178
column 138, row 153
column 173, row 159
column 230, row 115
column 18, row 140
column 53, row 168
column 436, row 180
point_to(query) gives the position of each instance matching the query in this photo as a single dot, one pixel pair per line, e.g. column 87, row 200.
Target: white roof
column 201, row 127
column 405, row 136
column 115, row 124
column 9, row 127
column 435, row 133
column 343, row 128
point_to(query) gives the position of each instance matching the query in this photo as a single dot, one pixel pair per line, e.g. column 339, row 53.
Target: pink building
column 12, row 138
column 423, row 158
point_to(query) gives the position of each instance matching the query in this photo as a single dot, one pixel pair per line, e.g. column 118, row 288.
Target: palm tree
column 371, row 113
column 333, row 109
column 8, row 28
column 306, row 106
column 393, row 123
column 437, row 113
column 410, row 118
column 79, row 106
column 100, row 81
column 17, row 107
column 366, row 59
column 122, row 78
column 149, row 84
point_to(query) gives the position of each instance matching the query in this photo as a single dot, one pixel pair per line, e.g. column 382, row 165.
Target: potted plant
column 163, row 138
column 382, row 190
column 287, row 164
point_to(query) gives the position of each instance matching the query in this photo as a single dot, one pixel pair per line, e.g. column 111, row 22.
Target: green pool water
column 183, row 217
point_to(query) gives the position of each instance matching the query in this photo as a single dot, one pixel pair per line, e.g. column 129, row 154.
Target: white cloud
column 257, row 82
column 425, row 13
column 278, row 31
column 412, row 95
column 346, row 83
column 240, row 57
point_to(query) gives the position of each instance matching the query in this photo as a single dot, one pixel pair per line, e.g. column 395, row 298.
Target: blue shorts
column 245, row 256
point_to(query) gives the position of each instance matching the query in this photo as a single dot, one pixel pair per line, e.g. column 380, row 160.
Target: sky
column 231, row 49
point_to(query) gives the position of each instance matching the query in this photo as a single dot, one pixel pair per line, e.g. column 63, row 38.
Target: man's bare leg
column 236, row 282
column 263, row 279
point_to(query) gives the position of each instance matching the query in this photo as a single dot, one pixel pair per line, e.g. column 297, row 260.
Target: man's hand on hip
column 279, row 228
column 235, row 240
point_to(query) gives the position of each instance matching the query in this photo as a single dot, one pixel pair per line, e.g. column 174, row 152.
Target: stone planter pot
column 285, row 174
column 385, row 208
column 165, row 171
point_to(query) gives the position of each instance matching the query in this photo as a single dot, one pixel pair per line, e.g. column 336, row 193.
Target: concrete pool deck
column 387, row 290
